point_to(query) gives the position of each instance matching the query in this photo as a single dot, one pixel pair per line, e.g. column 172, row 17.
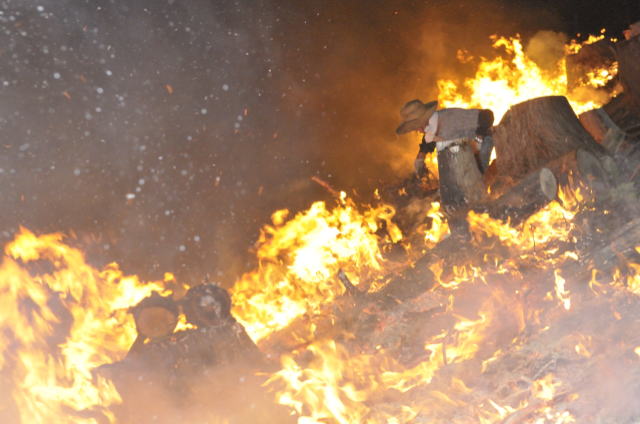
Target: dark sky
column 163, row 133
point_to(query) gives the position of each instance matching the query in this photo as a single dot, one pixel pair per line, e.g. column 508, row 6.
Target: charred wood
column 532, row 193
column 590, row 57
column 598, row 122
column 623, row 116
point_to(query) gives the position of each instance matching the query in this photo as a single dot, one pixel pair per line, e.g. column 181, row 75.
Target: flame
column 575, row 46
column 336, row 385
column 561, row 292
column 506, row 80
column 300, row 258
column 60, row 319
column 545, row 388
column 552, row 222
column 438, row 228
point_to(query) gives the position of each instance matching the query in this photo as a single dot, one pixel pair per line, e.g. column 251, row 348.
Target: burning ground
column 370, row 311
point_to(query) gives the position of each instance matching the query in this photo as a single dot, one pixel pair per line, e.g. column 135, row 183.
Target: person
column 446, row 127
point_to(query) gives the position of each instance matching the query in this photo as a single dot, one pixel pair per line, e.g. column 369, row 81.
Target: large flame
column 514, row 77
column 300, row 260
column 60, row 319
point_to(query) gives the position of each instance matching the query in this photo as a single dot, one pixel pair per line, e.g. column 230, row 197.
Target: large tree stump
column 537, row 131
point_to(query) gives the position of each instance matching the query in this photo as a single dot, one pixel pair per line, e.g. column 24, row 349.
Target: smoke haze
column 164, row 133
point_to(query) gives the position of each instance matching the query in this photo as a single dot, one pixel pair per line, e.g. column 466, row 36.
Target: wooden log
column 583, row 167
column 532, row 193
column 624, row 116
column 461, row 182
column 155, row 317
column 597, row 122
column 211, row 369
column 618, row 249
column 206, row 305
column 537, row 131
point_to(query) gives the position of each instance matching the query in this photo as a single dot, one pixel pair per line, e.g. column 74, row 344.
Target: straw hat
column 415, row 115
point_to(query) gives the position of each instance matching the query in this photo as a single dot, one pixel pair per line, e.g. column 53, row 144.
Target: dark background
column 163, row 134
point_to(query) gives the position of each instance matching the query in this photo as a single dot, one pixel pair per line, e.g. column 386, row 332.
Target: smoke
column 546, row 48
column 166, row 132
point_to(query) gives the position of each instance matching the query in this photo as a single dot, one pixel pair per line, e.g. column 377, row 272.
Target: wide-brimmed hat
column 415, row 115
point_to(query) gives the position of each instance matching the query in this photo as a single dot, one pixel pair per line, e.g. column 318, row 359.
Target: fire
column 562, row 294
column 438, row 228
column 513, row 78
column 60, row 319
column 575, row 46
column 553, row 222
column 336, row 385
column 545, row 388
column 300, row 260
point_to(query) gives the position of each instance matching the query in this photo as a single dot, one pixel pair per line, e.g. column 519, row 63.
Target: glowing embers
column 60, row 319
column 514, row 77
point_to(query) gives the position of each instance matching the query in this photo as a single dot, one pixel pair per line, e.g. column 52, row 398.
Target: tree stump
column 537, row 131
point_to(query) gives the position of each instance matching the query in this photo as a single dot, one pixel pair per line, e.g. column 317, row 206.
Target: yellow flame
column 300, row 258
column 562, row 294
column 438, row 228
column 60, row 319
column 545, row 388
column 505, row 81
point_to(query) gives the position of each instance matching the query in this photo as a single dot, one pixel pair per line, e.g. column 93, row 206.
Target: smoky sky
column 163, row 134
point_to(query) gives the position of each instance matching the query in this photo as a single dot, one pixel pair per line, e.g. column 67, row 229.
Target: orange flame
column 59, row 319
column 504, row 81
column 300, row 258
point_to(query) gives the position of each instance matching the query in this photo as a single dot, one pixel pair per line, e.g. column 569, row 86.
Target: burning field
column 522, row 307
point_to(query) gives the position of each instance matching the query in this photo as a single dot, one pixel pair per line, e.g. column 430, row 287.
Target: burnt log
column 523, row 200
column 207, row 305
column 537, row 131
column 590, row 57
column 212, row 369
column 598, row 122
